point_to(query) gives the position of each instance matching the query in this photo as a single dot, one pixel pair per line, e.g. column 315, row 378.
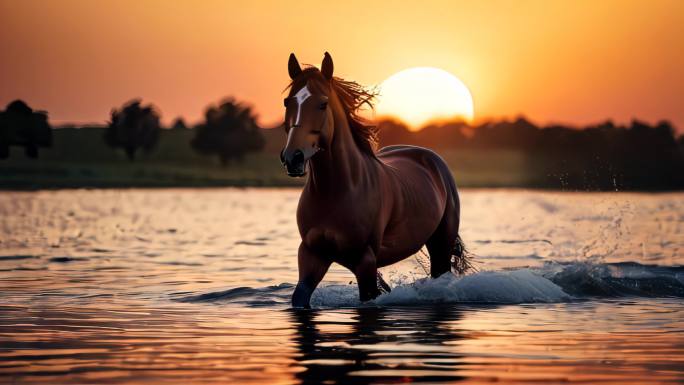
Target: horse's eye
column 323, row 105
column 286, row 101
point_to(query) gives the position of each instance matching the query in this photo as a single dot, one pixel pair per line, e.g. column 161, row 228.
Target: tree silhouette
column 229, row 131
column 179, row 124
column 517, row 134
column 605, row 156
column 21, row 126
column 392, row 132
column 132, row 127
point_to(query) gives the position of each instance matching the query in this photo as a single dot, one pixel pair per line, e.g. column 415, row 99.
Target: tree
column 517, row 134
column 229, row 131
column 22, row 126
column 394, row 132
column 179, row 124
column 133, row 126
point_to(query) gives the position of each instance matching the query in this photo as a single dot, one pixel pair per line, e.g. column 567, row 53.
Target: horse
column 361, row 208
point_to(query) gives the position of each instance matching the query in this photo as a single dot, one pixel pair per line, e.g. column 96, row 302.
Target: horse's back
column 416, row 153
column 406, row 158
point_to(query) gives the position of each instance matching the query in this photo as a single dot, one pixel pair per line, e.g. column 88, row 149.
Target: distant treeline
column 229, row 130
column 602, row 157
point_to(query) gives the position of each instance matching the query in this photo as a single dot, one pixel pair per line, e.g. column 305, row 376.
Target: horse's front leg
column 312, row 268
column 366, row 272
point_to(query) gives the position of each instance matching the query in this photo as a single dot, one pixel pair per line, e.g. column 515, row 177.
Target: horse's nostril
column 294, row 162
column 297, row 157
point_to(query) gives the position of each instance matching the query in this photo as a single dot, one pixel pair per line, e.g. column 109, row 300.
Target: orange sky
column 574, row 62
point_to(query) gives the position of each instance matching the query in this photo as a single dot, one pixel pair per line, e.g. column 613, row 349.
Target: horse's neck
column 342, row 166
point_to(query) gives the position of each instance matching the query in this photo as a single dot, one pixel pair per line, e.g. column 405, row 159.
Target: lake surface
column 185, row 286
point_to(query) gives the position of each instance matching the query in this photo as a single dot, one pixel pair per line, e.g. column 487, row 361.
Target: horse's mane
column 353, row 96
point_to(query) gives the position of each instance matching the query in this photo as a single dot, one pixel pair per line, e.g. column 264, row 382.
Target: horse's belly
column 340, row 244
column 388, row 255
column 402, row 241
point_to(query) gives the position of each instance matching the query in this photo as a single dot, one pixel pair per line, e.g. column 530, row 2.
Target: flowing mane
column 352, row 96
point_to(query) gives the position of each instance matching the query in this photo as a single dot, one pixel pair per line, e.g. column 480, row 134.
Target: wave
column 551, row 283
column 616, row 279
column 269, row 295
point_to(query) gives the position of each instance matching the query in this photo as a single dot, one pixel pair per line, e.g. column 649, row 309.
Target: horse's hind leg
column 443, row 241
column 439, row 247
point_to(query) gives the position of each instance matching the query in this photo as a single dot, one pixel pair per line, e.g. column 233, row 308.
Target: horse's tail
column 462, row 260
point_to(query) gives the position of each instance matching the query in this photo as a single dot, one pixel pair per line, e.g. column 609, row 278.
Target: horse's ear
column 327, row 66
column 293, row 67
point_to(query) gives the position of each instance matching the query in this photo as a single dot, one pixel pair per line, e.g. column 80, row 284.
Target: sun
column 423, row 94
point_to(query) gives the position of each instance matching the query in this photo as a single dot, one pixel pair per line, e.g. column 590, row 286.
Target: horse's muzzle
column 294, row 163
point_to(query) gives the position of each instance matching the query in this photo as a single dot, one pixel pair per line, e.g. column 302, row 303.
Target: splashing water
column 549, row 284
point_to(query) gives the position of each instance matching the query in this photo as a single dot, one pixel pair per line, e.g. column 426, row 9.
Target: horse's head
column 308, row 118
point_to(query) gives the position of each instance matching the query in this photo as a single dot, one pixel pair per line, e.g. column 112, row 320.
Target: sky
column 572, row 62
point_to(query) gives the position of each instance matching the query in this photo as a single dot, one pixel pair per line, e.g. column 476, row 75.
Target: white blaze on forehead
column 300, row 97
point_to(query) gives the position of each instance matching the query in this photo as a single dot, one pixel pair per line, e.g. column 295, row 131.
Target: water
column 192, row 286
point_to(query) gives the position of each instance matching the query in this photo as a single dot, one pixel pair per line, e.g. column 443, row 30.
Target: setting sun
column 423, row 94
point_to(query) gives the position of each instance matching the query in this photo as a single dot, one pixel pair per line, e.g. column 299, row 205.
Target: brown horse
column 360, row 208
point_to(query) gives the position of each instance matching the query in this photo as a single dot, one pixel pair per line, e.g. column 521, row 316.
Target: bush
column 229, row 131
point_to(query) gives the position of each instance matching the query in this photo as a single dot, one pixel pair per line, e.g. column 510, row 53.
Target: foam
column 519, row 286
column 552, row 283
